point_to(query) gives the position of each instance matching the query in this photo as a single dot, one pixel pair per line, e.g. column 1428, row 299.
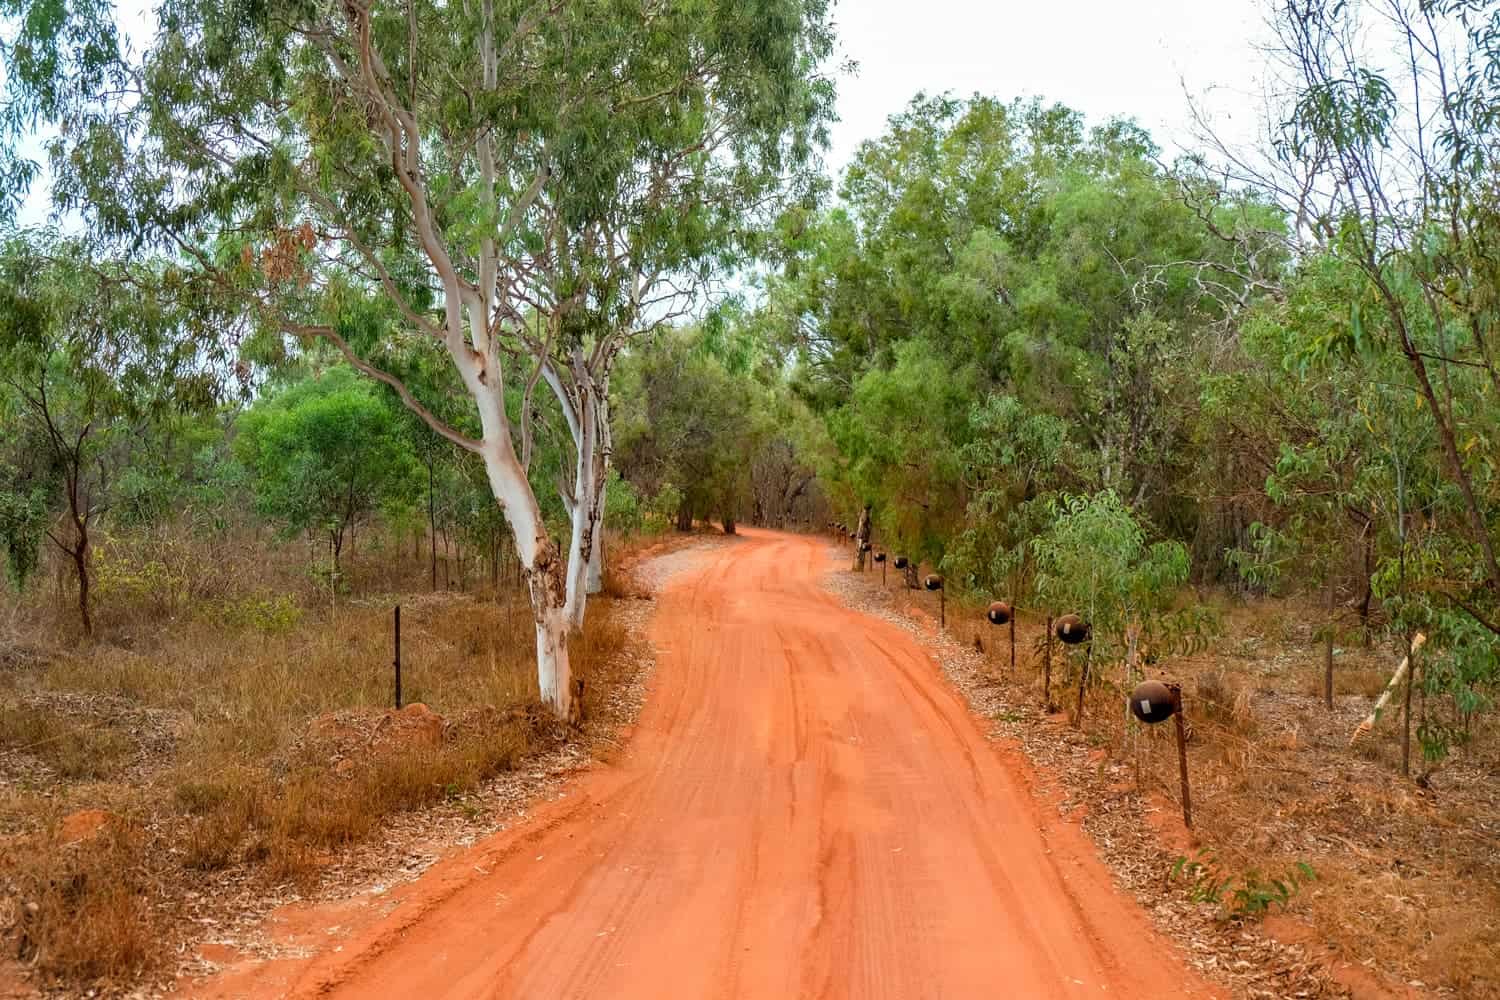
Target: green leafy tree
column 981, row 248
column 1094, row 561
column 698, row 427
column 87, row 363
column 1016, row 462
column 510, row 183
column 325, row 455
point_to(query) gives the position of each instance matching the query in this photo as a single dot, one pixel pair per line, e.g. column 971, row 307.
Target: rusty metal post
column 1411, row 676
column 1047, row 669
column 1187, row 798
column 398, row 656
column 943, row 608
column 1013, row 640
column 1083, row 684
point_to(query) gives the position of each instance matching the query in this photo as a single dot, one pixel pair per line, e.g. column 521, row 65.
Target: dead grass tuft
column 247, row 723
column 1224, row 700
column 85, row 913
column 1275, row 782
column 619, row 585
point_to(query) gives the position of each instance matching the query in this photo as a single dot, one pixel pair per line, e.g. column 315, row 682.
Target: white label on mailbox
column 1145, row 705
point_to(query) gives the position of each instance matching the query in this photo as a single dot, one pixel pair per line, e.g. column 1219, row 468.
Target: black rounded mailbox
column 999, row 613
column 1152, row 702
column 880, row 557
column 900, row 562
column 1072, row 630
column 933, row 582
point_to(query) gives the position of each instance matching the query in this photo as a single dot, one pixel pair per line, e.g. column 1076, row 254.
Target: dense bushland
column 367, row 309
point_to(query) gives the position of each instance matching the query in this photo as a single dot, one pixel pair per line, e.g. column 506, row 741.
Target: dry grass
column 74, row 748
column 85, row 911
column 1408, row 877
column 244, row 723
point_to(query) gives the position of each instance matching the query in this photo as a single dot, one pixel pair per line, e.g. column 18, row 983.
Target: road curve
column 806, row 810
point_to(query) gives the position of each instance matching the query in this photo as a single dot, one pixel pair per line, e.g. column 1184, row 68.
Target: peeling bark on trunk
column 596, row 564
column 548, row 602
column 861, row 539
column 542, row 569
column 909, row 574
column 581, row 387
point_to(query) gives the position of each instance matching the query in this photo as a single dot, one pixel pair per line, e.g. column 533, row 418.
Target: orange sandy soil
column 806, row 809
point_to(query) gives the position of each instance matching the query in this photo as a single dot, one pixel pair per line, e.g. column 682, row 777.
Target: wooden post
column 1187, row 798
column 943, row 608
column 398, row 656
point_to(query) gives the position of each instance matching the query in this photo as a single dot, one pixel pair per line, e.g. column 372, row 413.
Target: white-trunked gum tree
column 521, row 187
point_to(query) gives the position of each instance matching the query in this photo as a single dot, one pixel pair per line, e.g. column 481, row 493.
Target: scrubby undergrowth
column 188, row 748
column 1408, row 882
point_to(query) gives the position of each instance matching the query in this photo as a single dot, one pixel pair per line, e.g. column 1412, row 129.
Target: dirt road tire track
column 806, row 810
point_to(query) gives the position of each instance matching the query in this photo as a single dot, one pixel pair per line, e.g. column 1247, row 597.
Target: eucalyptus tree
column 980, row 248
column 694, row 422
column 88, row 359
column 513, row 181
column 326, row 453
column 1094, row 560
column 1382, row 153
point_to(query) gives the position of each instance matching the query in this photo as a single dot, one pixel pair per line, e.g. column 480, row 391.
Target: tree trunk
column 1415, row 643
column 1364, row 606
column 585, row 405
column 549, row 610
column 596, row 563
column 861, row 539
column 1047, row 669
column 1451, row 453
column 910, row 576
column 728, row 522
column 685, row 516
column 81, row 567
column 544, row 572
column 78, row 509
column 1083, row 684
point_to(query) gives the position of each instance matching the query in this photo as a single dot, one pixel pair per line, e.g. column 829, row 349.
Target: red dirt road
column 806, row 810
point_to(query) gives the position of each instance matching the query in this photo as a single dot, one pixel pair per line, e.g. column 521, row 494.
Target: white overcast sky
column 1130, row 58
column 1127, row 58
